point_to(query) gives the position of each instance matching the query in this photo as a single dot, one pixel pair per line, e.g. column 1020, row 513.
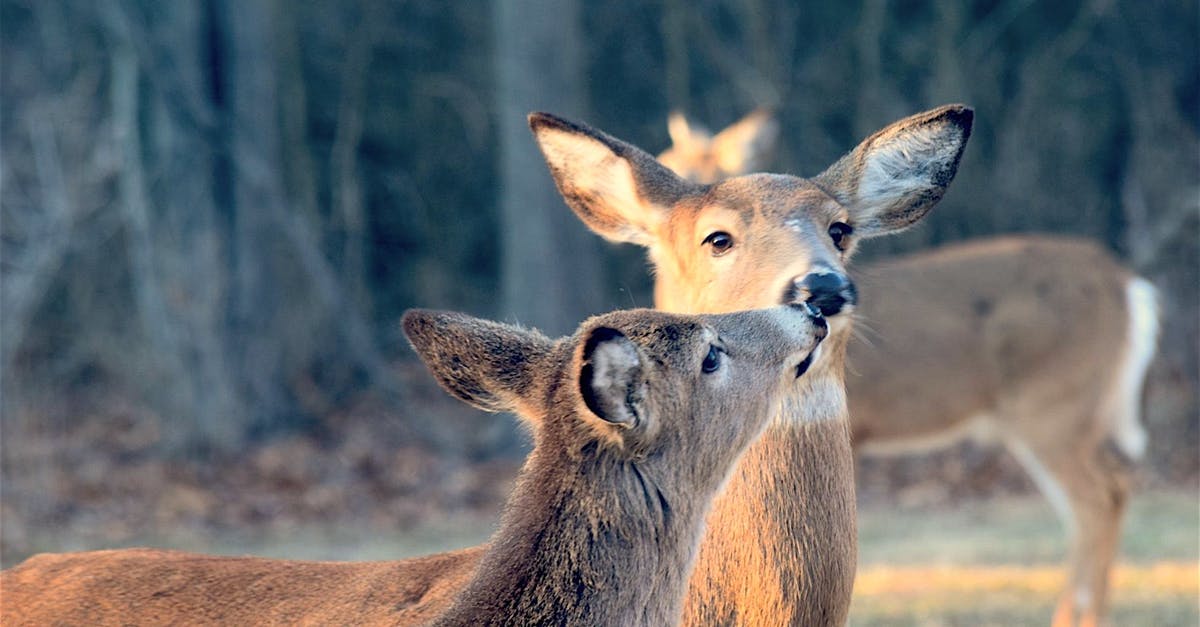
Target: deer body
column 637, row 418
column 1042, row 345
column 780, row 545
column 1038, row 343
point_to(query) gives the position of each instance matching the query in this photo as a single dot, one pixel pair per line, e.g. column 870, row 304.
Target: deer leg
column 1089, row 488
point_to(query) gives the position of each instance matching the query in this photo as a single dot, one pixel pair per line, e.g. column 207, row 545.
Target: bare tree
column 550, row 271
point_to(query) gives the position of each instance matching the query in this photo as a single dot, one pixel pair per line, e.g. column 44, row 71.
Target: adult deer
column 1038, row 343
column 638, row 417
column 780, row 545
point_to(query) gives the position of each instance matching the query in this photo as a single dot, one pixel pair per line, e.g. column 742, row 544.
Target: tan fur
column 743, row 147
column 633, row 440
column 780, row 546
column 1025, row 336
column 1032, row 335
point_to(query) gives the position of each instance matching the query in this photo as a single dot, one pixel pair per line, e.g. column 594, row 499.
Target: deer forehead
column 764, row 202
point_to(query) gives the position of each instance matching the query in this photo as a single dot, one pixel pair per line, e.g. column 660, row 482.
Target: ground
column 959, row 538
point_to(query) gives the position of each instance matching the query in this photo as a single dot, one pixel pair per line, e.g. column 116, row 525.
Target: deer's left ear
column 894, row 177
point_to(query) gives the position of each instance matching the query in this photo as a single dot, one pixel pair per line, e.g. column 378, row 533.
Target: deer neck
column 602, row 544
column 780, row 545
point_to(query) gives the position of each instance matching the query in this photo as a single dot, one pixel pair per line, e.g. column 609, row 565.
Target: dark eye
column 838, row 232
column 712, row 361
column 720, row 241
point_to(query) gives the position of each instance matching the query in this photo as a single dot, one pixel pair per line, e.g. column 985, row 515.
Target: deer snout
column 827, row 290
column 818, row 327
column 821, row 327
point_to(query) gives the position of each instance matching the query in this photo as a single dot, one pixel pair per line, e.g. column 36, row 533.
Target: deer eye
column 720, row 241
column 838, row 231
column 712, row 361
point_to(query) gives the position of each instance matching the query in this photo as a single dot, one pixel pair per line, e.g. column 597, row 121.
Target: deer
column 780, row 546
column 740, row 148
column 638, row 419
column 1039, row 344
column 780, row 543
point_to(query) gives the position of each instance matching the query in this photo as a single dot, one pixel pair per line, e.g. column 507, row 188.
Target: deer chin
column 804, row 364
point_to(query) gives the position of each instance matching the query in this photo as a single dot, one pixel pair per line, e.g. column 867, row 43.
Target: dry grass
column 999, row 563
column 1164, row 593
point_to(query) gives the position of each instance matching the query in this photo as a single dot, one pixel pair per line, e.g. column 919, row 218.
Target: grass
column 995, row 562
column 1000, row 563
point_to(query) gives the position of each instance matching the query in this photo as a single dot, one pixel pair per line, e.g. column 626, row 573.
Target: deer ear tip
column 539, row 120
column 961, row 115
column 414, row 320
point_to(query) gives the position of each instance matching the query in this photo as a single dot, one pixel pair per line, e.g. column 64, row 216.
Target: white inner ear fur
column 591, row 167
column 899, row 166
column 614, row 364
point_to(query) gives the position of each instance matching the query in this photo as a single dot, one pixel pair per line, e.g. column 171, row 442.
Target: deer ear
column 894, row 177
column 683, row 133
column 489, row 365
column 746, row 145
column 611, row 378
column 619, row 191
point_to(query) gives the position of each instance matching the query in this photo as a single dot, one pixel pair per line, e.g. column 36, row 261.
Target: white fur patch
column 591, row 167
column 611, row 363
column 1142, row 301
column 823, row 399
column 902, row 165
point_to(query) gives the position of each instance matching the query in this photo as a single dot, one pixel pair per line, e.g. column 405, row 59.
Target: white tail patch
column 1127, row 430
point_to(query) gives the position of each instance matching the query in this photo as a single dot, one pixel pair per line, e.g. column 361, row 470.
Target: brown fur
column 1031, row 333
column 780, row 546
column 1025, row 337
column 633, row 441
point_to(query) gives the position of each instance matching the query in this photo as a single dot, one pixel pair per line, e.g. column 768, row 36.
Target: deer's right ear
column 486, row 364
column 746, row 145
column 612, row 379
column 618, row 190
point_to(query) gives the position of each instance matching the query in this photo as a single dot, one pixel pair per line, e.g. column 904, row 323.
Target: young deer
column 780, row 546
column 638, row 419
column 1039, row 343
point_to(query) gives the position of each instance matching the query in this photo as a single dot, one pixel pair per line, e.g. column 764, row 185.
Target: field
column 985, row 562
column 997, row 562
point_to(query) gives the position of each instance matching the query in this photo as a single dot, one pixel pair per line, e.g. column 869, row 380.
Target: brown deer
column 780, row 546
column 638, row 419
column 1038, row 343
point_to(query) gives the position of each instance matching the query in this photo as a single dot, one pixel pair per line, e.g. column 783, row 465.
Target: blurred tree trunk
column 289, row 314
column 162, row 137
column 550, row 271
column 347, row 188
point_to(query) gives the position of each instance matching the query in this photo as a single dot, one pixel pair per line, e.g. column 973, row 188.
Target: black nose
column 828, row 291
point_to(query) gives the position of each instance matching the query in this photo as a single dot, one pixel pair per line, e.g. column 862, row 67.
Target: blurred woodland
column 215, row 211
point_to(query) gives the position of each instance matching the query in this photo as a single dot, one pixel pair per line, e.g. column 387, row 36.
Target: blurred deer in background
column 638, row 419
column 1040, row 343
column 743, row 147
column 780, row 546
